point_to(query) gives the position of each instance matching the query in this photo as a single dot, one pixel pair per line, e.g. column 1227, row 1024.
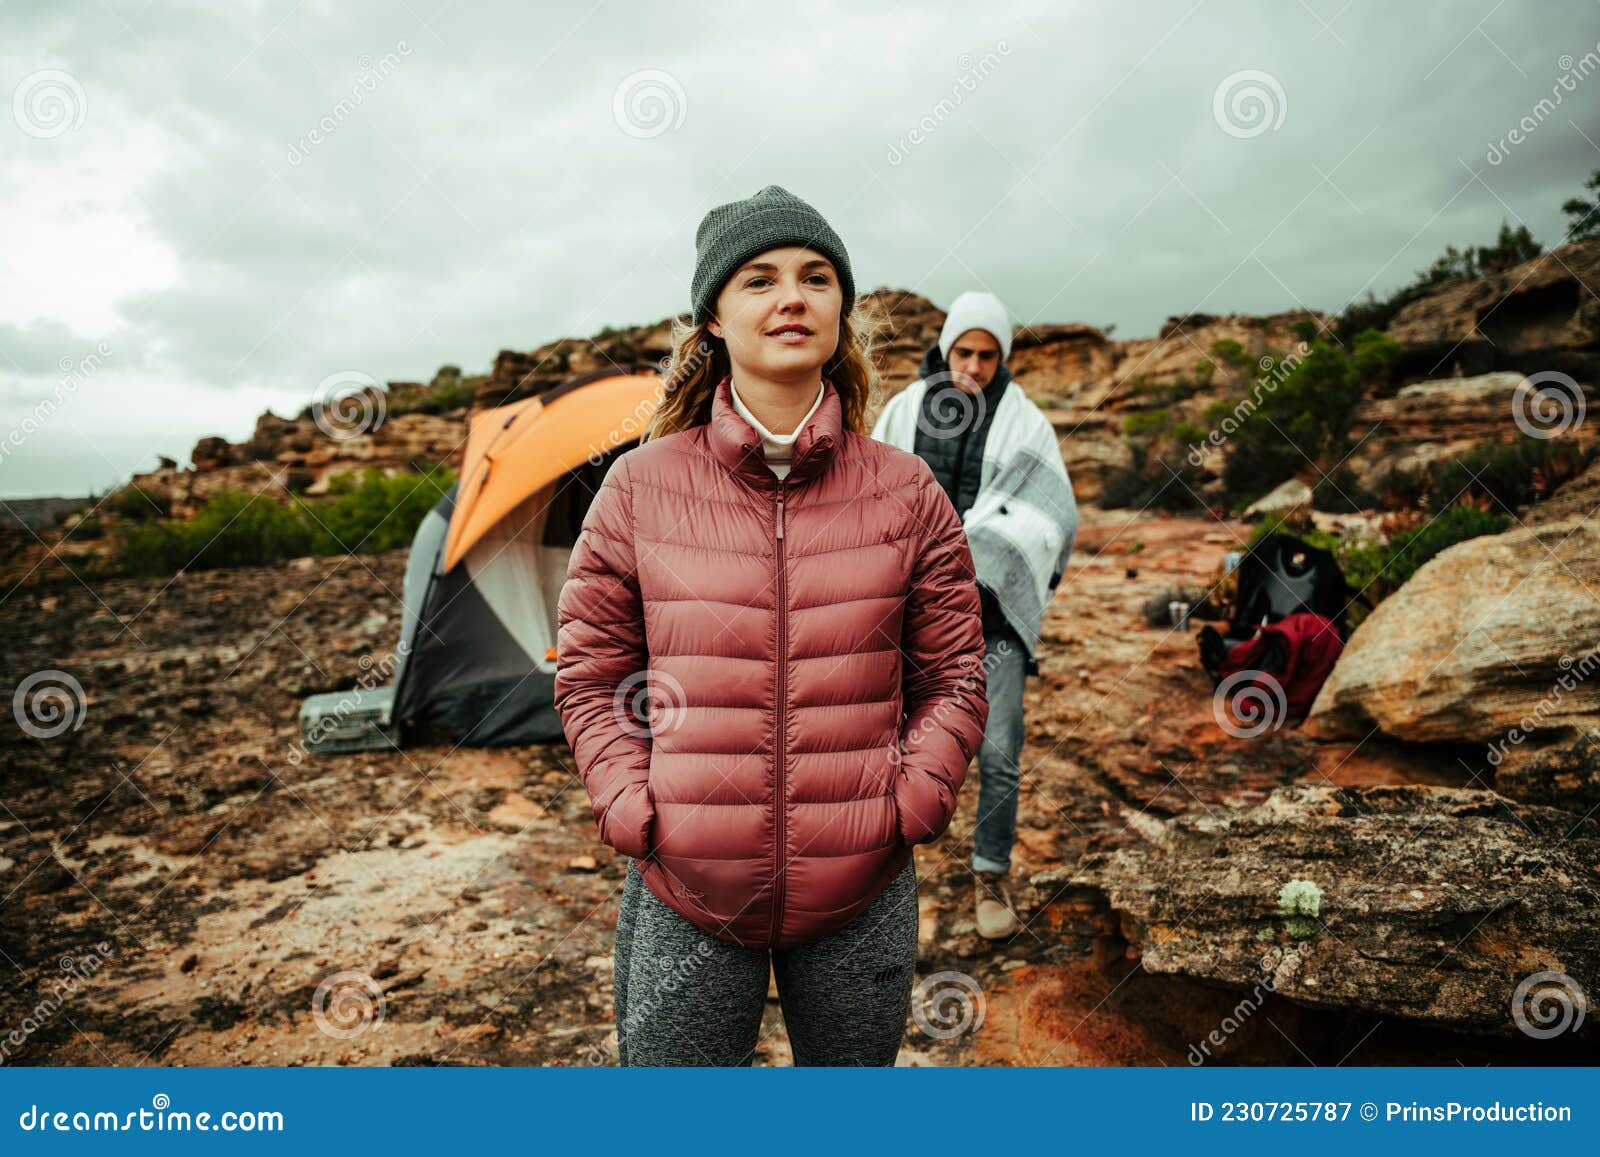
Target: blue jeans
column 999, row 769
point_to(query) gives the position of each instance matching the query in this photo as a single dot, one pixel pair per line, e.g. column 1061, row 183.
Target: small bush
column 233, row 528
column 1409, row 550
column 137, row 504
column 373, row 512
column 1304, row 419
column 365, row 513
column 1145, row 425
column 449, row 390
column 1509, row 476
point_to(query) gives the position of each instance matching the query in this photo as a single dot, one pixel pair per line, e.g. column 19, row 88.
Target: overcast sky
column 207, row 209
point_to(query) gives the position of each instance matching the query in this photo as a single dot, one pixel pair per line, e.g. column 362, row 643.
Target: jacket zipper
column 778, row 791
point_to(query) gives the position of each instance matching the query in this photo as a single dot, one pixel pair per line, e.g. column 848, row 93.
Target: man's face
column 973, row 360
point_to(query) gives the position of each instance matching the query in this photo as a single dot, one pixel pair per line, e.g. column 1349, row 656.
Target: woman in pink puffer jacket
column 794, row 607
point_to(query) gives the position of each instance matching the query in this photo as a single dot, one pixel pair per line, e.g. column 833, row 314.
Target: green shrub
column 137, row 504
column 1162, row 483
column 1511, row 247
column 449, row 390
column 372, row 512
column 364, row 513
column 1304, row 415
column 1145, row 425
column 1509, row 475
column 1409, row 550
column 1187, row 433
column 1231, row 353
column 234, row 528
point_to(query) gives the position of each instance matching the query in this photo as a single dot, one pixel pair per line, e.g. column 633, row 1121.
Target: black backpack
column 1282, row 575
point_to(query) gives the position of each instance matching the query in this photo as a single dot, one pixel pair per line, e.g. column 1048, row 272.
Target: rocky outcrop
column 1565, row 773
column 1088, row 384
column 1283, row 500
column 1433, row 903
column 1461, row 408
column 297, row 455
column 1537, row 315
column 1479, row 642
column 1430, row 422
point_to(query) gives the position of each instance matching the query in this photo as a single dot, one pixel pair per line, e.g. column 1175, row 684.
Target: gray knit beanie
column 732, row 234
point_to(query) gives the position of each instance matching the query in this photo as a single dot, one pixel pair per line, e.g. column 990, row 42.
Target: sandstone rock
column 1562, row 774
column 1532, row 311
column 516, row 812
column 1435, row 421
column 1477, row 642
column 1433, row 903
column 1282, row 499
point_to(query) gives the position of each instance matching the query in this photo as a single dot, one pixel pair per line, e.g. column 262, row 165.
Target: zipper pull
column 780, row 512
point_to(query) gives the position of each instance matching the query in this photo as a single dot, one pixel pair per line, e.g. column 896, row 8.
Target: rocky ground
column 224, row 883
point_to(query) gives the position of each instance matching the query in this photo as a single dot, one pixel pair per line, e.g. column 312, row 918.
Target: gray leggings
column 683, row 997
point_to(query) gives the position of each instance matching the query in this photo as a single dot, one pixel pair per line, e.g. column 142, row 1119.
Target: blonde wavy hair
column 699, row 361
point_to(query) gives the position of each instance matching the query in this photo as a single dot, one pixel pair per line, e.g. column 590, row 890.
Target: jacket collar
column 737, row 444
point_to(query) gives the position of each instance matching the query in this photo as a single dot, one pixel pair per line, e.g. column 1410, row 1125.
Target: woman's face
column 779, row 313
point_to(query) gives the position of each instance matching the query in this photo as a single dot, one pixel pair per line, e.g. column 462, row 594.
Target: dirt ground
column 244, row 904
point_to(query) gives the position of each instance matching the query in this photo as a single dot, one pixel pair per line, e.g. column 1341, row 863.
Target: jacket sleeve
column 600, row 645
column 944, row 682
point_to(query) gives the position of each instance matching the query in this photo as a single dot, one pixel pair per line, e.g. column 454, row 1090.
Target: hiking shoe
column 996, row 920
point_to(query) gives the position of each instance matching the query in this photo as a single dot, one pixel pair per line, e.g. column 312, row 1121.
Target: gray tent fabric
column 462, row 669
column 472, row 658
column 427, row 548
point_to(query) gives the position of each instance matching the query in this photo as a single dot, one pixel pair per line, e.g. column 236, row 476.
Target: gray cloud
column 472, row 188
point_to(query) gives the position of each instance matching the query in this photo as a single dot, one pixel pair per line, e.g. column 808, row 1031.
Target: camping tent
column 477, row 651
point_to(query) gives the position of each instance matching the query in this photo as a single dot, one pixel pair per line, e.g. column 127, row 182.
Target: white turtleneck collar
column 778, row 449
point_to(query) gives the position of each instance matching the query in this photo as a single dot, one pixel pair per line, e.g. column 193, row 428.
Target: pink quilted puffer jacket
column 810, row 657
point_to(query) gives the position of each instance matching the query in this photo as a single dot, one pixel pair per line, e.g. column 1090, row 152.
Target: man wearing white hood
column 997, row 457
